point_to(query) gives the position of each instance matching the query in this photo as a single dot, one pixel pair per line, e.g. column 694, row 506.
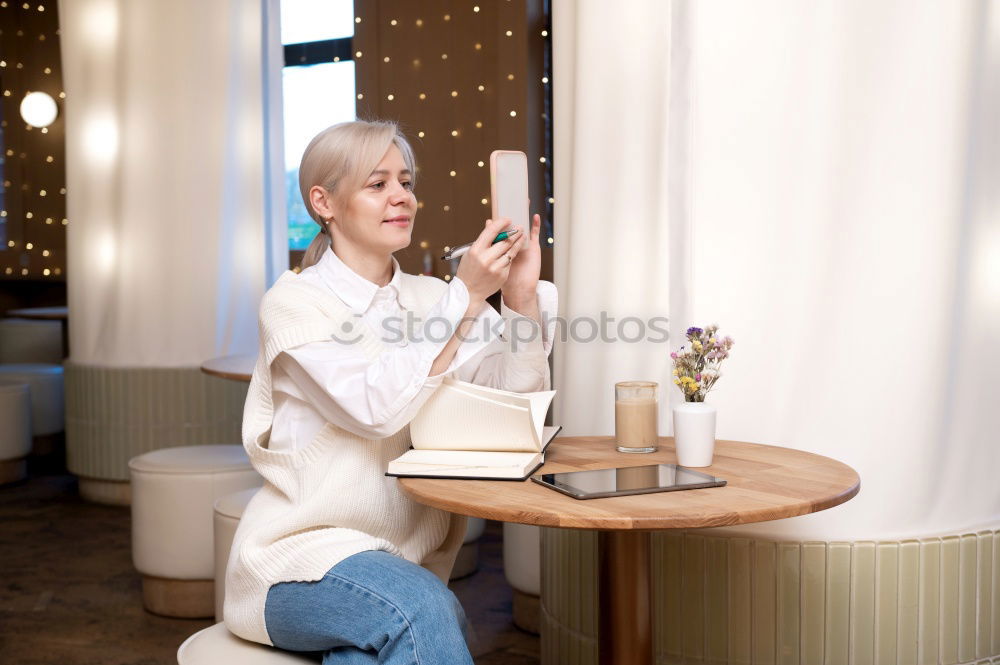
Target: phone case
column 509, row 187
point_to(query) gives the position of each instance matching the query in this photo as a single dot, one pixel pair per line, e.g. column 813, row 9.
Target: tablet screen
column 627, row 480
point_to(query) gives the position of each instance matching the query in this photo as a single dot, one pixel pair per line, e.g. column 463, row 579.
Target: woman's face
column 379, row 217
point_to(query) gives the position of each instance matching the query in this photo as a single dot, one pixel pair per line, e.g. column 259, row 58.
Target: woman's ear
column 319, row 198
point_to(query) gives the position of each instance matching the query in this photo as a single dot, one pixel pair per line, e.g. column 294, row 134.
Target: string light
column 454, row 132
column 476, row 9
column 447, row 208
column 510, row 77
column 483, row 201
column 452, row 174
column 385, row 59
column 479, row 125
column 479, row 47
column 393, row 22
column 509, row 33
column 420, row 22
column 480, row 164
column 513, row 114
column 422, row 96
column 454, row 93
column 481, row 87
column 545, row 79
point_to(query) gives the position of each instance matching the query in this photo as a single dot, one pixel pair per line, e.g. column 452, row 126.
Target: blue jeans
column 372, row 607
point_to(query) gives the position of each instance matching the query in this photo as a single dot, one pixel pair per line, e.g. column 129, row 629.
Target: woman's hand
column 485, row 267
column 519, row 289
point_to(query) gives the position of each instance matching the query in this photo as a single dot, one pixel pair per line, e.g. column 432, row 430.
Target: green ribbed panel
column 569, row 601
column 114, row 414
column 739, row 601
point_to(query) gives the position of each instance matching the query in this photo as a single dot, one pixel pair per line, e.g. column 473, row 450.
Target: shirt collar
column 356, row 291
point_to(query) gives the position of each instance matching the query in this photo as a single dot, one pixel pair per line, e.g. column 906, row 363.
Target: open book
column 470, row 431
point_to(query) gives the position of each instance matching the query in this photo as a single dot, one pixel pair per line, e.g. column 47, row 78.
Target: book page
column 537, row 402
column 460, row 464
column 453, row 419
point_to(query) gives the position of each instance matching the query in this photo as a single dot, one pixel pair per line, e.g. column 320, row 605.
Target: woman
column 330, row 555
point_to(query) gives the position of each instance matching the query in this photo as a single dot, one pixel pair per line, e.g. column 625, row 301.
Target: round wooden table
column 60, row 314
column 234, row 368
column 763, row 483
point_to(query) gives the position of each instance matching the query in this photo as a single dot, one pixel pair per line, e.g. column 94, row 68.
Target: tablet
column 624, row 481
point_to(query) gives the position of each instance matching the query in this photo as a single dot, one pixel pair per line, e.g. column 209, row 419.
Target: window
column 318, row 90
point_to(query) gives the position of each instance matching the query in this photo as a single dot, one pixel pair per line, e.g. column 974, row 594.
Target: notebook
column 470, row 431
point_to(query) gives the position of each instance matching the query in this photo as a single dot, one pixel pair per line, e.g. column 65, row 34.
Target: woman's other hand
column 485, row 267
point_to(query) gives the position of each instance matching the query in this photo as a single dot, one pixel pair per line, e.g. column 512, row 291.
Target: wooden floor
column 70, row 596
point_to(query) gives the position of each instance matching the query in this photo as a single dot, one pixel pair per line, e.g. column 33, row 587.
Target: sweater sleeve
column 375, row 397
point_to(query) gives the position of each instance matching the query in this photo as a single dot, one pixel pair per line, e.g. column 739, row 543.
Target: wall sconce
column 38, row 109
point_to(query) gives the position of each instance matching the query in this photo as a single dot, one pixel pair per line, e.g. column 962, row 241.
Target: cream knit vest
column 322, row 503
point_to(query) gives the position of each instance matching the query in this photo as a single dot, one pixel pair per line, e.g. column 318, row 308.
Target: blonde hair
column 340, row 159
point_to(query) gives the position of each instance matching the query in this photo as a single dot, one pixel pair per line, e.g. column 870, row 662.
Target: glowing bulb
column 444, row 56
column 447, row 17
column 454, row 93
column 420, row 22
column 510, row 77
column 393, row 22
column 483, row 201
column 447, row 208
column 479, row 47
column 545, row 33
column 481, row 88
column 513, row 114
column 509, row 33
column 357, row 19
column 390, row 97
column 545, row 79
column 357, row 54
column 479, row 124
column 38, row 109
column 454, row 132
column 45, row 252
column 385, row 59
column 476, row 9
column 479, row 164
column 423, row 96
column 541, row 159
column 29, row 246
column 550, row 241
column 420, row 134
column 360, row 96
column 45, row 272
column 451, row 173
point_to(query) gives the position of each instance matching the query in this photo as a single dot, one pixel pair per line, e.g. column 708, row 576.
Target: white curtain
column 169, row 192
column 821, row 180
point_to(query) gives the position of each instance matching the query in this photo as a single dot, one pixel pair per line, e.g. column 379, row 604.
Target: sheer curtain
column 169, row 192
column 820, row 180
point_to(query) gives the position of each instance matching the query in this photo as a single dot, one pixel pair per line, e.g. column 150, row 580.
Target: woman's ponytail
column 315, row 250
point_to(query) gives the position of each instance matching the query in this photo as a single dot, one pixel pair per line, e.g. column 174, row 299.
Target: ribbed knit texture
column 325, row 502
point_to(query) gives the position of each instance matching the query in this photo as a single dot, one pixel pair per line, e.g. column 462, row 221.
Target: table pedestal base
column 625, row 625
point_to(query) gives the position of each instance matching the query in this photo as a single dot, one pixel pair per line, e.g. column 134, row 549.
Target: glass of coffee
column 636, row 426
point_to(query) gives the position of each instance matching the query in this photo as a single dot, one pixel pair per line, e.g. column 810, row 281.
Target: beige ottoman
column 30, row 341
column 215, row 645
column 522, row 567
column 227, row 514
column 15, row 431
column 48, row 413
column 467, row 561
column 173, row 494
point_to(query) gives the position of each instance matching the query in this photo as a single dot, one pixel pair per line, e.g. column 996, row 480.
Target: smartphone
column 509, row 188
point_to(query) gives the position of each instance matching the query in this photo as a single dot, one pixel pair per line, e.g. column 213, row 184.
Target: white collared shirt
column 324, row 382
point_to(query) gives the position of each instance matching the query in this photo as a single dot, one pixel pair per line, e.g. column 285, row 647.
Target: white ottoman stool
column 227, row 514
column 173, row 493
column 215, row 645
column 15, row 431
column 522, row 565
column 467, row 561
column 30, row 341
column 48, row 413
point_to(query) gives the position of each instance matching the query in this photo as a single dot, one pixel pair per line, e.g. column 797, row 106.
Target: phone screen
column 509, row 186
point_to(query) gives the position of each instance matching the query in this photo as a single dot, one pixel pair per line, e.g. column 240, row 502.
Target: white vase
column 694, row 433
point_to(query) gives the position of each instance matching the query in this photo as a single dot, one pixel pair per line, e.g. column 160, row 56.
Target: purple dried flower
column 693, row 331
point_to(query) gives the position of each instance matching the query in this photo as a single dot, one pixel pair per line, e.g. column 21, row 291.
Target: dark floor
column 70, row 596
